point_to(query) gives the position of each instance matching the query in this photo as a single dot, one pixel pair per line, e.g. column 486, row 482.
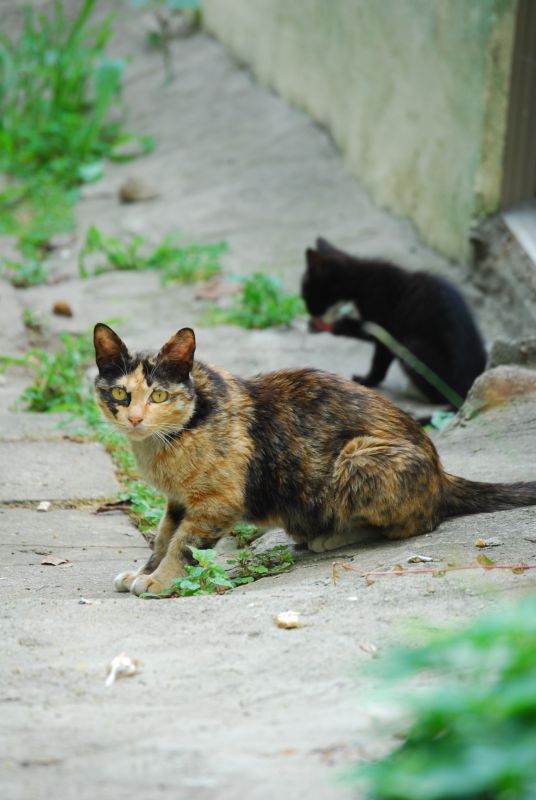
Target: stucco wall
column 413, row 92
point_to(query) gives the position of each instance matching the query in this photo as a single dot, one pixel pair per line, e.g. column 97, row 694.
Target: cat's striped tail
column 462, row 496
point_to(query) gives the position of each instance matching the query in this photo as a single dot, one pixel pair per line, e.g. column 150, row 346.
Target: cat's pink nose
column 135, row 420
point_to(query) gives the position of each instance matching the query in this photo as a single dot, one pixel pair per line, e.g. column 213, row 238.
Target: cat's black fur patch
column 425, row 313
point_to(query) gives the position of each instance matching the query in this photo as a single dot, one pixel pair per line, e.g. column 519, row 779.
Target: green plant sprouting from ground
column 245, row 533
column 59, row 383
column 146, row 504
column 261, row 305
column 473, row 734
column 57, row 89
column 22, row 274
column 205, row 577
column 258, row 565
column 177, row 262
column 209, row 577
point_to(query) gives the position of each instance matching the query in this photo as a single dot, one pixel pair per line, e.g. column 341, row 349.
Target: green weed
column 176, row 262
column 59, row 383
column 258, row 565
column 57, row 88
column 32, row 322
column 245, row 533
column 261, row 305
column 25, row 273
column 206, row 577
column 473, row 734
column 147, row 505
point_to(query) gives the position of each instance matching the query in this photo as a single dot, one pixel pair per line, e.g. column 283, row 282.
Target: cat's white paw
column 123, row 581
column 143, row 583
column 159, row 580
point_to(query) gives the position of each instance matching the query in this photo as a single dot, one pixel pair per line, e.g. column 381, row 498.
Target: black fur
column 425, row 313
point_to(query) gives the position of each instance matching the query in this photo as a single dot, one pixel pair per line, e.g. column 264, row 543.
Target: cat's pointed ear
column 314, row 259
column 178, row 352
column 110, row 351
column 323, row 246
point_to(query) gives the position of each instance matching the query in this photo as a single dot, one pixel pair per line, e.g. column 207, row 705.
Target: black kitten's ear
column 314, row 259
column 325, row 247
column 110, row 350
column 328, row 249
column 179, row 351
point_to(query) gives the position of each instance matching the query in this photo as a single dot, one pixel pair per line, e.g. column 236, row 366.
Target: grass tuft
column 262, row 304
column 176, row 262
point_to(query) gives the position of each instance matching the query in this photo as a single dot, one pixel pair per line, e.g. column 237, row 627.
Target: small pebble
column 419, row 559
column 491, row 542
column 288, row 619
column 62, row 309
column 136, row 190
column 44, row 505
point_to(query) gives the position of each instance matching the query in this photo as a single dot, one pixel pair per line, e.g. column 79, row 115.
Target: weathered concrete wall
column 413, row 92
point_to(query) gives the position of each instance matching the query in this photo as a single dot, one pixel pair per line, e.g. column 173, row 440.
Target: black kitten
column 424, row 313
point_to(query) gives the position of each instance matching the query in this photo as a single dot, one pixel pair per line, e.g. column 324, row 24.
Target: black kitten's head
column 145, row 394
column 321, row 280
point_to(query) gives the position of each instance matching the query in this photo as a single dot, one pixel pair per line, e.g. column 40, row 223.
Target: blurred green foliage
column 176, row 262
column 261, row 305
column 57, row 88
column 60, row 115
column 473, row 729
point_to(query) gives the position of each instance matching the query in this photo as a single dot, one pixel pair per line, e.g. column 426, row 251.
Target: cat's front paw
column 146, row 583
column 156, row 582
column 124, row 581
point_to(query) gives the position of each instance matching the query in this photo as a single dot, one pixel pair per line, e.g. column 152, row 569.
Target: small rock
column 288, row 619
column 491, row 542
column 368, row 647
column 136, row 190
column 496, row 387
column 122, row 666
column 44, row 505
column 504, row 351
column 419, row 559
column 62, row 309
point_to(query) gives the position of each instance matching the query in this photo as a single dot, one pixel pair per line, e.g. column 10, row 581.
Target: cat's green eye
column 159, row 396
column 119, row 393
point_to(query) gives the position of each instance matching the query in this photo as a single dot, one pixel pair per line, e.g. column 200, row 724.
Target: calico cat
column 304, row 449
column 424, row 313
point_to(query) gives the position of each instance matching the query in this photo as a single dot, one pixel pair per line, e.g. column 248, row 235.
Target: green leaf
column 484, row 561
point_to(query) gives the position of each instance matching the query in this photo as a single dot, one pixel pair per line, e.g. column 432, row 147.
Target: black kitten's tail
column 462, row 496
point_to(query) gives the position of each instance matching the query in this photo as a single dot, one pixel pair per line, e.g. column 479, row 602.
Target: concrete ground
column 226, row 704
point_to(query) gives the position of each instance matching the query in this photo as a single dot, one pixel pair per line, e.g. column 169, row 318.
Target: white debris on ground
column 288, row 619
column 122, row 666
